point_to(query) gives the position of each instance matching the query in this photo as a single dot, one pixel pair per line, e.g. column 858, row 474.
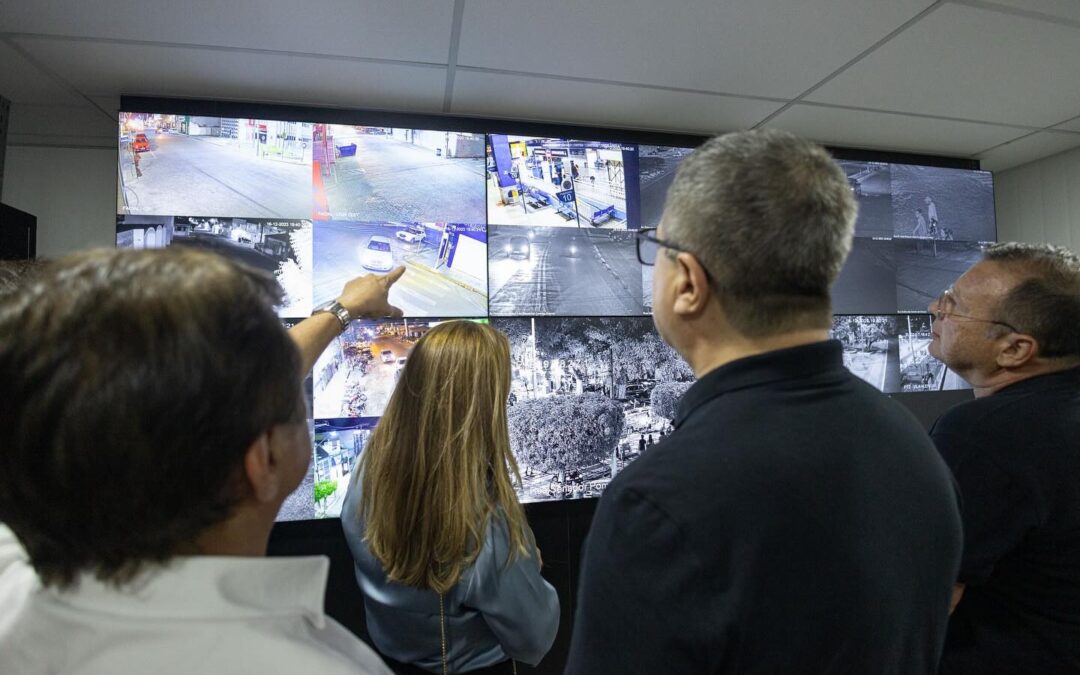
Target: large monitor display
column 533, row 233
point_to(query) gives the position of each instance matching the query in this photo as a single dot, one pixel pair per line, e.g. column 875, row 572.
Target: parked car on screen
column 410, row 235
column 387, row 356
column 141, row 143
column 518, row 247
column 377, row 255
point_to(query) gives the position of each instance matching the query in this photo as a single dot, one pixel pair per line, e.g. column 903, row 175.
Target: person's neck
column 710, row 354
column 1004, row 377
column 245, row 533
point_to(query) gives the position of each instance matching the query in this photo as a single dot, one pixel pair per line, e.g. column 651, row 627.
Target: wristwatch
column 337, row 309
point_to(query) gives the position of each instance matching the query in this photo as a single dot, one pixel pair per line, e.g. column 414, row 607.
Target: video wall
column 532, row 234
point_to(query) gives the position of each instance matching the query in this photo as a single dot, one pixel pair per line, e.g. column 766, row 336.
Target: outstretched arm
column 365, row 297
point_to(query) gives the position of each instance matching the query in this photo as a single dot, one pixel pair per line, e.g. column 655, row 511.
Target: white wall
column 1040, row 201
column 71, row 190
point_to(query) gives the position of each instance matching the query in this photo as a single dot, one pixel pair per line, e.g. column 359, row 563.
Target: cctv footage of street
column 446, row 264
column 227, row 167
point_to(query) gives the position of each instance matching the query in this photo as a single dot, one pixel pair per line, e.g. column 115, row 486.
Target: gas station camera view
column 563, row 270
column 214, row 165
column 357, row 373
column 446, row 264
column 551, row 182
column 379, row 174
column 280, row 247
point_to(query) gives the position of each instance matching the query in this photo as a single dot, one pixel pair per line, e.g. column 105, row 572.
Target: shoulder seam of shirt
column 641, row 497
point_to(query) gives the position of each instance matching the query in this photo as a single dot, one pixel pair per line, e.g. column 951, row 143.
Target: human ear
column 1018, row 350
column 260, row 468
column 691, row 285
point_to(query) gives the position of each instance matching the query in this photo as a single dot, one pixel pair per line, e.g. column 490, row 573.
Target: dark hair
column 131, row 385
column 771, row 216
column 15, row 273
column 1045, row 302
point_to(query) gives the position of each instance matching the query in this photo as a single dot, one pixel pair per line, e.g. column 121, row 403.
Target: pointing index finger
column 393, row 275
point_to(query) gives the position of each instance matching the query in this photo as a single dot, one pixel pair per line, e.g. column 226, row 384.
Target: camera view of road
column 657, row 165
column 187, row 167
column 871, row 348
column 376, row 174
column 926, row 268
column 446, row 265
column 565, row 271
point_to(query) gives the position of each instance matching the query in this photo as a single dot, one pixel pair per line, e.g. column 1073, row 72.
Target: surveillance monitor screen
column 564, row 271
column 588, row 396
column 445, row 264
column 338, row 446
column 534, row 233
column 930, row 202
column 218, row 166
column 279, row 247
column 554, row 182
column 380, row 174
column 357, row 373
column 891, row 352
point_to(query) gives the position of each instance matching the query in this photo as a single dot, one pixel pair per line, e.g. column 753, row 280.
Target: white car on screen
column 376, row 255
column 409, row 236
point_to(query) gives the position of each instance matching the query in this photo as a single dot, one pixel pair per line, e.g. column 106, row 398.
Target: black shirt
column 796, row 521
column 1016, row 457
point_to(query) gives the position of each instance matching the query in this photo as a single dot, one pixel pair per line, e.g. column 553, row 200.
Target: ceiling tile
column 23, row 82
column 373, row 28
column 109, row 68
column 61, row 120
column 550, row 99
column 969, row 63
column 1021, row 151
column 772, row 48
column 1071, row 125
column 1064, row 9
column 885, row 131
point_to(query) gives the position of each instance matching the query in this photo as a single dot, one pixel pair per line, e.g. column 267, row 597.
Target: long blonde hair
column 438, row 465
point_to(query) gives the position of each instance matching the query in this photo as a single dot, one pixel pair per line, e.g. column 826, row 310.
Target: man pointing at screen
column 796, row 520
column 152, row 422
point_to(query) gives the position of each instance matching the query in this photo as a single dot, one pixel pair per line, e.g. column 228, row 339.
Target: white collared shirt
column 200, row 615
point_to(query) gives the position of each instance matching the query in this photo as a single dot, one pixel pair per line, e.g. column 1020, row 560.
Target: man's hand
column 367, row 297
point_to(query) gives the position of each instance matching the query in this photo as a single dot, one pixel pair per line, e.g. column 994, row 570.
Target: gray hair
column 771, row 217
column 1045, row 302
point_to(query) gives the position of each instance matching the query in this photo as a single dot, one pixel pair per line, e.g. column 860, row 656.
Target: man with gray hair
column 796, row 520
column 1010, row 326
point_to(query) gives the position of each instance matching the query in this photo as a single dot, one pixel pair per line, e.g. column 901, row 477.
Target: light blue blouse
column 494, row 612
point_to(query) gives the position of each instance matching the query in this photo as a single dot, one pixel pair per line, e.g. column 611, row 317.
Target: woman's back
column 442, row 548
column 494, row 612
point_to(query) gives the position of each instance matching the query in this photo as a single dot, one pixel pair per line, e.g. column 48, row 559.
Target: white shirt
column 18, row 581
column 200, row 615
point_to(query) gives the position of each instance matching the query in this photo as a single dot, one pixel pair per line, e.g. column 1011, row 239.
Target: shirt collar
column 1069, row 378
column 794, row 362
column 204, row 587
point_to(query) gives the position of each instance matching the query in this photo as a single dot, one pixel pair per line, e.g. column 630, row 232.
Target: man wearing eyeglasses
column 1011, row 327
column 796, row 520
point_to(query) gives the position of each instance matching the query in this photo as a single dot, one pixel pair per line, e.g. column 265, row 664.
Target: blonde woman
column 444, row 556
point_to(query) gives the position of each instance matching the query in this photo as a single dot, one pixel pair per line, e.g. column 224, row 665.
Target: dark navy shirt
column 1016, row 457
column 796, row 521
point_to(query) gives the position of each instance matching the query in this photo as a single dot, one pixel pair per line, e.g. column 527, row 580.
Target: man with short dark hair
column 796, row 520
column 1010, row 326
column 152, row 422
